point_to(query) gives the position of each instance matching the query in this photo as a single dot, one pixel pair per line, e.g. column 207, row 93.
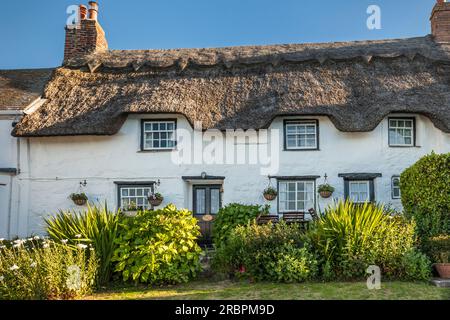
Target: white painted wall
column 53, row 167
column 8, row 159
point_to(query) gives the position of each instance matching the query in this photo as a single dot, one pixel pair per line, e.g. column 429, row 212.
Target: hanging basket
column 80, row 202
column 155, row 202
column 326, row 194
column 270, row 196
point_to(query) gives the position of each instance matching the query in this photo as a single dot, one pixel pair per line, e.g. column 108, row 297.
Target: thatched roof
column 356, row 84
column 19, row 88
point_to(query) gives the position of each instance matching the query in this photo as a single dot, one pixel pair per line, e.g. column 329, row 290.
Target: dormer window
column 401, row 132
column 158, row 135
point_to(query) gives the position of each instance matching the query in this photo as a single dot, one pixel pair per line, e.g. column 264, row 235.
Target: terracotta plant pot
column 326, row 194
column 443, row 269
column 155, row 202
column 80, row 202
column 270, row 196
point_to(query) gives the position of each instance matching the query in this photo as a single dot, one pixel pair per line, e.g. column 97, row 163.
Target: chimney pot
column 93, row 10
column 93, row 14
column 83, row 12
column 93, row 5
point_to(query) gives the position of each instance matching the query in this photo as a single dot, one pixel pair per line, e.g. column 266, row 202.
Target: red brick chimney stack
column 440, row 21
column 87, row 37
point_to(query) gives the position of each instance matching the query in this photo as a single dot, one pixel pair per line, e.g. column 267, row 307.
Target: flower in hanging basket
column 270, row 194
column 326, row 190
column 155, row 199
column 79, row 199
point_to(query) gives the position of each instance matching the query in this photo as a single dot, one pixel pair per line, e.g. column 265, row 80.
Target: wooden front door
column 207, row 202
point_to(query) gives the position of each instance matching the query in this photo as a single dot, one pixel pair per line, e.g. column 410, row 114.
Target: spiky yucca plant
column 97, row 226
column 345, row 235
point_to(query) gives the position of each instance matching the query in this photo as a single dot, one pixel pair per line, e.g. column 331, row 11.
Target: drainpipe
column 8, row 231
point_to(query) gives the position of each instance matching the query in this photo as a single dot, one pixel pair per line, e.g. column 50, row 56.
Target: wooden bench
column 265, row 219
column 294, row 217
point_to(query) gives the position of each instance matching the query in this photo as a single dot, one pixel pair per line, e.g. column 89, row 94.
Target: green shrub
column 439, row 248
column 35, row 270
column 96, row 226
column 266, row 253
column 158, row 247
column 425, row 189
column 350, row 237
column 232, row 216
column 416, row 266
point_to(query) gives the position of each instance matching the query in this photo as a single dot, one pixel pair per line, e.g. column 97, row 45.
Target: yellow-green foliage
column 350, row 237
column 439, row 248
column 158, row 247
column 425, row 189
column 35, row 270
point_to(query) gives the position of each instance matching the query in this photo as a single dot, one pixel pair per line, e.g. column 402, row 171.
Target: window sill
column 300, row 150
column 156, row 150
column 404, row 147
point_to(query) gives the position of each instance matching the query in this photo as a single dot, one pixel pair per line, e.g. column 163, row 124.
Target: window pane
column 215, row 201
column 200, row 201
column 291, row 206
column 155, row 126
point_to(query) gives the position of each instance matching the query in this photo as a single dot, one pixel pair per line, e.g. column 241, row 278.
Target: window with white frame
column 296, row 196
column 359, row 191
column 301, row 135
column 159, row 135
column 396, row 194
column 401, row 132
column 134, row 197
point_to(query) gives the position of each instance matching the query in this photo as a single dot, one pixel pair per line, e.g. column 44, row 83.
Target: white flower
column 64, row 241
column 36, row 238
column 14, row 267
column 2, row 278
column 92, row 249
column 19, row 242
column 2, row 247
column 17, row 245
column 78, row 236
column 30, row 239
column 46, row 245
column 82, row 246
column 33, row 265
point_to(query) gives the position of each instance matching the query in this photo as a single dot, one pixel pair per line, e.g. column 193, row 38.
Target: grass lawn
column 229, row 290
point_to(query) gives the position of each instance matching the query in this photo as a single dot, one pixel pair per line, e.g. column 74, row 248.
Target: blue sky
column 32, row 32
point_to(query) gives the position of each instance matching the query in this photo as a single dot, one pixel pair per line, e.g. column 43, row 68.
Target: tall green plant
column 159, row 247
column 97, row 226
column 425, row 188
column 349, row 237
column 234, row 215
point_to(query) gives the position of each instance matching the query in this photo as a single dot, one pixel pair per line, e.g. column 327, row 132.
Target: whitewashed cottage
column 118, row 125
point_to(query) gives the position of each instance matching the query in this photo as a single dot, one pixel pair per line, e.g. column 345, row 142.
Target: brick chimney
column 440, row 21
column 86, row 37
